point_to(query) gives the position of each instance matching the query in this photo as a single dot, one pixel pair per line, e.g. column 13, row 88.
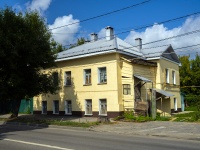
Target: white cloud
column 65, row 35
column 158, row 32
column 39, row 5
column 17, row 7
column 102, row 33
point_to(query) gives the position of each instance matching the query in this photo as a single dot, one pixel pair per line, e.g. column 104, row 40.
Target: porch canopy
column 163, row 92
column 142, row 78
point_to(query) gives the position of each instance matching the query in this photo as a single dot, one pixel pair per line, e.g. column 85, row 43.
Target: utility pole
column 153, row 103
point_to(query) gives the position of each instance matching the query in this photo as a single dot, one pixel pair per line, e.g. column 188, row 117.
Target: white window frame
column 88, row 105
column 54, row 109
column 87, row 77
column 126, row 89
column 103, row 105
column 167, row 75
column 175, row 104
column 173, row 77
column 100, row 74
column 43, row 108
column 68, row 107
column 68, row 74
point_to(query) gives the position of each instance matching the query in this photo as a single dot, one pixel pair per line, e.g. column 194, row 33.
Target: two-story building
column 109, row 76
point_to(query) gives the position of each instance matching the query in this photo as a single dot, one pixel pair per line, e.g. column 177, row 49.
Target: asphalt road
column 30, row 138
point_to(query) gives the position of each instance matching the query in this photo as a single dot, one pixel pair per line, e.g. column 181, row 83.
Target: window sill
column 104, row 115
column 102, row 83
column 88, row 115
column 87, row 84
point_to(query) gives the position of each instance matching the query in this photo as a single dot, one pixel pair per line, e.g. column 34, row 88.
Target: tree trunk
column 15, row 108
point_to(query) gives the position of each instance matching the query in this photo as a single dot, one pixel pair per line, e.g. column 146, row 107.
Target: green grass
column 191, row 108
column 3, row 119
column 53, row 122
column 129, row 116
column 185, row 115
column 188, row 117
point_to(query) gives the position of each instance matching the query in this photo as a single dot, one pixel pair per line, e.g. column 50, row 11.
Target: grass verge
column 33, row 121
column 188, row 117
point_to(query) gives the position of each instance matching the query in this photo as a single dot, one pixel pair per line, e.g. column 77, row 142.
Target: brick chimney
column 93, row 37
column 109, row 33
column 138, row 43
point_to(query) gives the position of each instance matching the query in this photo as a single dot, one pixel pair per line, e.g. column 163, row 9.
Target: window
column 173, row 77
column 55, row 78
column 68, row 107
column 55, row 107
column 68, row 78
column 175, row 104
column 102, row 75
column 167, row 75
column 88, row 107
column 126, row 89
column 103, row 107
column 87, row 76
column 44, row 107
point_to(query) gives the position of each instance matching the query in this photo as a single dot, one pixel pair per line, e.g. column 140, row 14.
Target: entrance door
column 44, row 107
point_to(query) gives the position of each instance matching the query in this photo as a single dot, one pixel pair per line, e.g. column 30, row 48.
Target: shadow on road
column 32, row 122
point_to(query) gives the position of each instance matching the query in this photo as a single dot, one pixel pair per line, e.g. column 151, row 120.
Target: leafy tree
column 80, row 41
column 190, row 80
column 56, row 47
column 185, row 73
column 195, row 67
column 25, row 49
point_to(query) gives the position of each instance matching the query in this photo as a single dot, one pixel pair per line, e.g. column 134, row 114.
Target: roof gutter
column 85, row 55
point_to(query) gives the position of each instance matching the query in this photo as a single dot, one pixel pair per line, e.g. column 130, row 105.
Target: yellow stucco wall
column 169, row 87
column 79, row 92
column 119, row 72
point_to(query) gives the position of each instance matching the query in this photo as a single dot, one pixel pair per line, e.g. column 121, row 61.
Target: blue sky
column 63, row 12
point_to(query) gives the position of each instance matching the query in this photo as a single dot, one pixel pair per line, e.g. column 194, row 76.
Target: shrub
column 129, row 115
column 196, row 116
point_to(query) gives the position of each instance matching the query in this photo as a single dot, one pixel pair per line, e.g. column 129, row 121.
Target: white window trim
column 54, row 107
column 128, row 89
column 84, row 77
column 175, row 104
column 67, row 113
column 167, row 75
column 174, row 77
column 86, row 106
column 99, row 76
column 100, row 107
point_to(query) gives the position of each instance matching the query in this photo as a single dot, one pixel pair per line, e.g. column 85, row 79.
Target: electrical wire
column 102, row 15
column 142, row 27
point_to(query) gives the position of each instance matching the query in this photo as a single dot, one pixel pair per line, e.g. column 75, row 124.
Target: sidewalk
column 180, row 130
